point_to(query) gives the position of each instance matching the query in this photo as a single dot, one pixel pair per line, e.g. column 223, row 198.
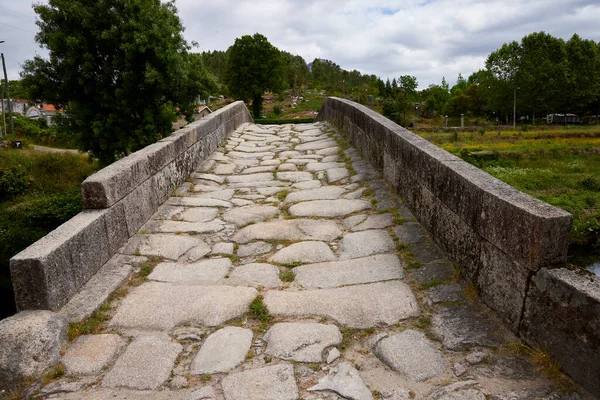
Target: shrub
column 13, row 182
column 592, row 183
column 277, row 110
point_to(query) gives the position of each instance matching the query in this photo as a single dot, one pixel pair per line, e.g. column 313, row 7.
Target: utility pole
column 10, row 117
column 515, row 110
column 3, row 115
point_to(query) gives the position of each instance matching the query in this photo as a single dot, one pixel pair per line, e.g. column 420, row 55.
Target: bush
column 277, row 110
column 50, row 212
column 592, row 184
column 13, row 182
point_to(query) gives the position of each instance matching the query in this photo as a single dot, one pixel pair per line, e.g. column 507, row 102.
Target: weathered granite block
column 47, row 273
column 562, row 316
column 30, row 344
column 112, row 183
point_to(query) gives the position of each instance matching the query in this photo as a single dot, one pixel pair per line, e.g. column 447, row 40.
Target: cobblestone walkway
column 286, row 269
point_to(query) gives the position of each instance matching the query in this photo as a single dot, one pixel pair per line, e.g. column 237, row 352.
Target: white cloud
column 388, row 38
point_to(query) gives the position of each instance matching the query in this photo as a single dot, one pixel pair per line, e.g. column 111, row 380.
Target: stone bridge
column 345, row 259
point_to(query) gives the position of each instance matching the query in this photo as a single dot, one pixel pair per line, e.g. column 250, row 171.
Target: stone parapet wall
column 118, row 199
column 506, row 242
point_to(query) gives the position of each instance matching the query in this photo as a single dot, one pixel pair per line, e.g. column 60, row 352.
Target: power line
column 14, row 12
column 16, row 27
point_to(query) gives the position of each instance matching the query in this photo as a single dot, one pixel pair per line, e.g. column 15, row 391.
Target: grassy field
column 38, row 192
column 560, row 166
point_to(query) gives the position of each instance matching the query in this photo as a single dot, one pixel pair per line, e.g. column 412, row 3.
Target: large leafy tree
column 120, row 69
column 254, row 66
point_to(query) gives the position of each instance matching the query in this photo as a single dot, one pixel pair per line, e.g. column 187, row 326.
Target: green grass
column 287, row 276
column 38, row 192
column 558, row 166
column 259, row 311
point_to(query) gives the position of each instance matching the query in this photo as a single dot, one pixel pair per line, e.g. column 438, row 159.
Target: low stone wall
column 505, row 242
column 118, row 199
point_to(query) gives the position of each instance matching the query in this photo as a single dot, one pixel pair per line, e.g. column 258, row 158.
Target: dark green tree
column 296, row 72
column 120, row 69
column 583, row 58
column 216, row 63
column 254, row 66
column 16, row 89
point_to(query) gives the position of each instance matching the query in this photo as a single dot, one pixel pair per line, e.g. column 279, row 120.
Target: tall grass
column 558, row 166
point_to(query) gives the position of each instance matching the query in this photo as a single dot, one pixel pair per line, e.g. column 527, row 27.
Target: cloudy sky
column 425, row 38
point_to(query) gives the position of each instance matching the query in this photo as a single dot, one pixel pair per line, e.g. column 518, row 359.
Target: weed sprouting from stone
column 147, row 267
column 93, row 324
column 282, row 195
column 259, row 311
column 57, row 372
column 287, row 276
column 430, row 284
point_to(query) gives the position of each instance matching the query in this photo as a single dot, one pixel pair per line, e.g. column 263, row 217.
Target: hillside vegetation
column 38, row 192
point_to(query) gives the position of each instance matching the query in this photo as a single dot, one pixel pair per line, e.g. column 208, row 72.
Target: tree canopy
column 119, row 68
column 254, row 66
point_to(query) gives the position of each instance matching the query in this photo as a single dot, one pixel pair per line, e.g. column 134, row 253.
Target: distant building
column 571, row 119
column 46, row 111
column 19, row 106
column 201, row 112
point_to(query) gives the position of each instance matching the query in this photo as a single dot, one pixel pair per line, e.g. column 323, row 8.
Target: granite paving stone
column 222, row 194
column 223, row 248
column 210, row 270
column 307, row 185
column 365, row 243
column 381, row 267
column 306, row 252
column 361, row 306
column 346, row 381
column 447, row 293
column 222, row 351
column 183, row 226
column 198, row 202
column 301, row 341
column 162, row 306
column 90, row 354
column 337, row 174
column 146, row 364
column 168, row 246
column 460, row 327
column 244, row 215
column 224, row 169
column 321, row 193
column 275, row 382
column 411, row 354
column 256, row 274
column 254, row 249
column 321, row 166
column 439, row 271
column 316, row 145
column 265, row 176
column 328, row 208
column 294, row 176
column 293, row 229
column 196, row 214
column 378, row 221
